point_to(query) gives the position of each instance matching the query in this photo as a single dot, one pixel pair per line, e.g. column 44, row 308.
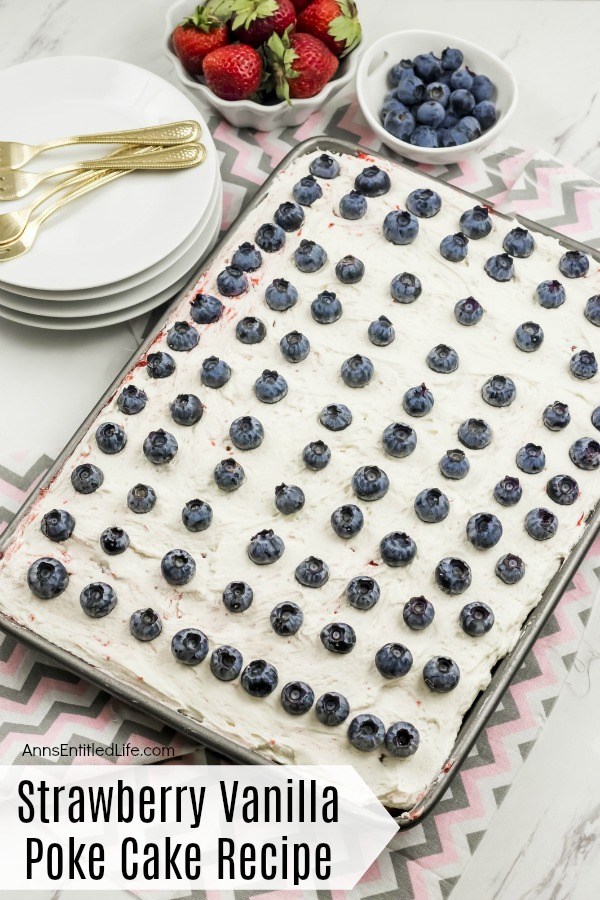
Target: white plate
column 127, row 298
column 102, row 321
column 128, row 225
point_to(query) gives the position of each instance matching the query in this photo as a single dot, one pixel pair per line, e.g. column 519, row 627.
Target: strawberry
column 254, row 21
column 300, row 65
column 233, row 72
column 198, row 35
column 335, row 22
column 299, row 5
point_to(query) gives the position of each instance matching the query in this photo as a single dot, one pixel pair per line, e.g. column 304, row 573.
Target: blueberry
column 592, row 310
column 250, row 330
column 563, row 489
column 132, row 400
column 452, row 576
column 468, row 311
column 424, row 203
column 86, row 478
column 508, row 491
column 338, row 637
column 281, row 295
column 347, row 521
column 196, row 515
column 357, row 371
column 484, row 530
column 370, row 483
column 182, row 337
column 585, row 454
column 363, row 592
column 206, row 309
column 307, row 190
column 399, row 123
column 232, row 281
column 325, row 166
column 482, row 88
column 461, row 101
column 186, row 409
column 471, row 128
column 247, row 257
column 400, row 227
column 332, row 709
column 397, row 549
column 226, row 663
column 424, row 136
column 530, row 459
column 353, row 205
column 215, row 372
column 476, row 619
column 289, row 216
column 550, row 294
column 556, row 416
column 393, row 660
column 441, row 674
column 442, row 359
column 189, row 646
column 178, row 567
column 349, row 270
column 431, row 113
column 439, row 93
column 454, row 247
column 595, row 418
column 485, row 113
column 110, row 438
column 461, row 79
column 405, row 288
column 529, row 337
column 381, row 332
column 309, row 257
column 457, row 136
column 450, row 120
column 451, row 59
column 259, row 678
column 519, row 243
column 399, row 71
column 475, row 434
column 418, row 401
column 410, row 90
column 335, row 417
column 391, row 104
column 286, row 618
column 574, row 264
column 270, row 387
column 97, row 599
column 316, row 455
column 476, row 223
column 541, row 524
column 58, row 525
column 145, row 624
column 297, row 697
column 160, row 365
column 246, row 433
column 500, row 267
column 402, row 740
column 238, row 596
column 372, row 182
column 499, row 391
column 431, row 505
column 312, row 572
column 289, row 498
column 583, row 364
column 141, row 498
column 270, row 238
column 114, row 541
column 454, row 464
column 294, row 346
column 366, row 732
column 510, row 568
column 265, row 548
column 47, row 578
column 418, row 613
column 160, row 447
column 427, row 66
column 228, row 475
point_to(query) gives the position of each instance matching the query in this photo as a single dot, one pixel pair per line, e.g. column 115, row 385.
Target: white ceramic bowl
column 247, row 113
column 372, row 85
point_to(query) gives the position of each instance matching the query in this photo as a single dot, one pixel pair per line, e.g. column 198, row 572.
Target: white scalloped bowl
column 371, row 87
column 247, row 113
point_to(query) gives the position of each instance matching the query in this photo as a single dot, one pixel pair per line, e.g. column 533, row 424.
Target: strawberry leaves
column 279, row 58
column 346, row 27
column 247, row 11
column 209, row 16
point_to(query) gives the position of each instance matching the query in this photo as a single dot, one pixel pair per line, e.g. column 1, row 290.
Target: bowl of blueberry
column 432, row 97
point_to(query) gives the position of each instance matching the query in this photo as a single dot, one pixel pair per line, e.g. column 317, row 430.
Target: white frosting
column 220, row 552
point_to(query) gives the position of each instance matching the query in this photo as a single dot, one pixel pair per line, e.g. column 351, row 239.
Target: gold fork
column 13, row 154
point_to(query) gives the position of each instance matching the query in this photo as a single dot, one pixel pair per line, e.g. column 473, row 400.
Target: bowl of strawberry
column 264, row 64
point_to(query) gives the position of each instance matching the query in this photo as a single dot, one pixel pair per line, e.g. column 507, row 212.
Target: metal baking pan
column 478, row 715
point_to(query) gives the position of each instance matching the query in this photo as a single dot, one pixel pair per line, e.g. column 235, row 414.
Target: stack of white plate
column 132, row 244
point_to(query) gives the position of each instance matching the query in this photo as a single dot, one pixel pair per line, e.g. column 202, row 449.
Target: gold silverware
column 13, row 155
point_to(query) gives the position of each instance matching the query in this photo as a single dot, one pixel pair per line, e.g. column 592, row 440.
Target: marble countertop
column 543, row 842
